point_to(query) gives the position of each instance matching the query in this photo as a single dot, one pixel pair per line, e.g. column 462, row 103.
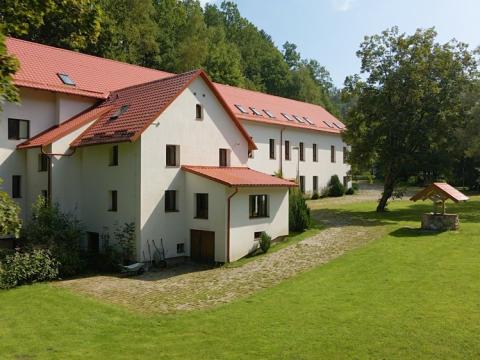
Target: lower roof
column 238, row 176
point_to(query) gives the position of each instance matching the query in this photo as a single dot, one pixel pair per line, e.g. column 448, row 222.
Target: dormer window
column 67, row 80
column 199, row 112
column 119, row 112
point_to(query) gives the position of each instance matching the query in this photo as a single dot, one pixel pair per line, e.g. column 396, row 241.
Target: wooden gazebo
column 439, row 193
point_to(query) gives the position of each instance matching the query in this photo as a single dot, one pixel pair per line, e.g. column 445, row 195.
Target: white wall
column 35, row 180
column 70, row 105
column 243, row 228
column 324, row 168
column 200, row 141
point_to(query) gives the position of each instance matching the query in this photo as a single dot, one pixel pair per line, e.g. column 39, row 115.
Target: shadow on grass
column 406, row 232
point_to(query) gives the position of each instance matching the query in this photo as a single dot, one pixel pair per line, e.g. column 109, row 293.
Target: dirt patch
column 189, row 287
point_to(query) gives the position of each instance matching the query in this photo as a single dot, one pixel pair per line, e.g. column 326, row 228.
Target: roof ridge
column 155, row 81
column 84, row 54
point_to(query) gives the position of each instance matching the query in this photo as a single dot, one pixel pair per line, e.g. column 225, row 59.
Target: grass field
column 406, row 295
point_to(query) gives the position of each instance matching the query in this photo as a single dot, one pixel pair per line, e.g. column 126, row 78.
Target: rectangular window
column 42, row 162
column 223, row 157
column 18, row 129
column 170, row 200
column 16, row 186
column 180, row 248
column 345, row 155
column 257, row 235
column 113, row 161
column 315, row 184
column 315, row 153
column 113, row 200
column 258, row 206
column 302, row 152
column 172, row 155
column 287, row 150
column 201, row 205
column 332, row 154
column 272, row 148
column 199, row 111
column 302, row 184
column 241, row 108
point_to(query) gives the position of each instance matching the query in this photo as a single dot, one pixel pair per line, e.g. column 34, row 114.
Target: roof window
column 326, row 123
column 338, row 126
column 67, row 80
column 255, row 111
column 119, row 112
column 308, row 120
column 269, row 113
column 288, row 117
column 241, row 108
column 298, row 118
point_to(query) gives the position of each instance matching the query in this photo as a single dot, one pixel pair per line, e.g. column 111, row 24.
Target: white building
column 186, row 160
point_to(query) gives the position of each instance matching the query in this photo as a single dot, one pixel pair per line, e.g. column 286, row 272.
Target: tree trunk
column 388, row 187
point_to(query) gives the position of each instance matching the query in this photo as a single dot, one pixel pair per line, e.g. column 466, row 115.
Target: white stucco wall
column 323, row 168
column 242, row 228
column 200, row 141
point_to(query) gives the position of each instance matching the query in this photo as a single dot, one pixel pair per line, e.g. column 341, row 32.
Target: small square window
column 181, row 248
column 199, row 111
column 113, row 161
column 113, row 200
column 257, row 235
column 172, row 155
column 67, row 80
column 258, row 206
column 18, row 129
column 42, row 162
column 171, row 201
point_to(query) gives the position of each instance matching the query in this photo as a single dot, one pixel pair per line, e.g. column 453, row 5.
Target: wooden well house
column 439, row 193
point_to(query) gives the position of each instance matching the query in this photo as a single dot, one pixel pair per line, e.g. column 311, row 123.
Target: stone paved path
column 189, row 287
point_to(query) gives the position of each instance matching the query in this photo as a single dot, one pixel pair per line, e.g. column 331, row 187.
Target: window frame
column 113, row 160
column 203, row 214
column 301, row 184
column 223, row 154
column 113, row 201
column 288, row 155
column 17, row 135
column 176, row 155
column 271, row 149
column 345, row 155
column 198, row 112
column 315, row 152
column 174, row 208
column 315, row 184
column 254, row 206
column 301, row 150
column 16, row 187
column 333, row 155
column 181, row 248
column 43, row 161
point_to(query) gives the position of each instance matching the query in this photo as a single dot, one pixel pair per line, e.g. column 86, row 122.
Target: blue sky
column 331, row 30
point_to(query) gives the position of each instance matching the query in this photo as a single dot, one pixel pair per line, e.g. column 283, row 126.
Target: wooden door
column 202, row 245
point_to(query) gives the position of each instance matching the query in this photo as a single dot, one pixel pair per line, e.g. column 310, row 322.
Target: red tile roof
column 57, row 132
column 238, row 176
column 440, row 189
column 93, row 76
column 276, row 106
column 145, row 103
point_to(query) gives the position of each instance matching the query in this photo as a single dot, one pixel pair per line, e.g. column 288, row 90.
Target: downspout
column 49, row 169
column 228, row 222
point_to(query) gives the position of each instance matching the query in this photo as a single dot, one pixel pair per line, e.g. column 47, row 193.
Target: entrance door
column 202, row 245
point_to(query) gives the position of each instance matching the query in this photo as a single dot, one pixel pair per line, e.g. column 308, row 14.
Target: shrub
column 350, row 191
column 58, row 232
column 10, row 223
column 265, row 242
column 26, row 268
column 125, row 237
column 299, row 213
column 315, row 195
column 335, row 187
column 355, row 186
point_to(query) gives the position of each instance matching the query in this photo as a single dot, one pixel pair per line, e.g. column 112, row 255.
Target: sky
column 331, row 31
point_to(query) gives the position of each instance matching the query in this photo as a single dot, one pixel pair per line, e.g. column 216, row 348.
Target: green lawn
column 405, row 295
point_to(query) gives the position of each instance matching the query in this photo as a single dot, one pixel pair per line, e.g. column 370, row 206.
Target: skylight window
column 119, row 112
column 255, row 111
column 288, row 117
column 326, row 123
column 67, row 80
column 241, row 108
column 308, row 120
column 298, row 118
column 269, row 113
column 338, row 126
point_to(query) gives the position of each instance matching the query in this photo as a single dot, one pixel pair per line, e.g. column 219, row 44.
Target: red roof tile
column 93, row 76
column 57, row 132
column 238, row 176
column 97, row 77
column 277, row 105
column 145, row 103
column 441, row 189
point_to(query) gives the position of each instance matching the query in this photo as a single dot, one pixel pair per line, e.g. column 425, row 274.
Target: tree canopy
column 10, row 223
column 408, row 105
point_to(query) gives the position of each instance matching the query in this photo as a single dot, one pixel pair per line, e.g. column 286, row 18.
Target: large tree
column 407, row 104
column 8, row 66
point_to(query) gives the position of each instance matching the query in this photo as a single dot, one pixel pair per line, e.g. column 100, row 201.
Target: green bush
column 27, row 267
column 265, row 242
column 299, row 213
column 315, row 195
column 125, row 237
column 355, row 186
column 58, row 232
column 335, row 187
column 350, row 191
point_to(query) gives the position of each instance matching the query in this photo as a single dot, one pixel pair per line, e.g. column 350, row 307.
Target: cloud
column 343, row 5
